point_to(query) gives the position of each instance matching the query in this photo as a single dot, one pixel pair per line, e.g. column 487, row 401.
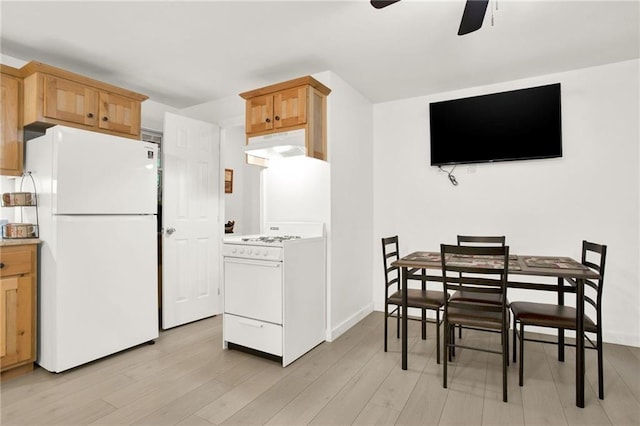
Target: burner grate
column 271, row 238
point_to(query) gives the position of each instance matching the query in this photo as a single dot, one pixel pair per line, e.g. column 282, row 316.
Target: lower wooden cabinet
column 17, row 308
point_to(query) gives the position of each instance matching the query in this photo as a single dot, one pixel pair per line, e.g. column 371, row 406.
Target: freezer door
column 99, row 288
column 96, row 173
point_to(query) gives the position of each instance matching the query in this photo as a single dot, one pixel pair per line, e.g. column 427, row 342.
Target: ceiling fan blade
column 381, row 3
column 472, row 16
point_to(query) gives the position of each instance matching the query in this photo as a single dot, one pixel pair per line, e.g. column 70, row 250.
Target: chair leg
column 506, row 336
column 386, row 320
column 438, row 336
column 451, row 331
column 447, row 354
column 453, row 340
column 521, row 367
column 459, row 331
column 424, row 324
column 600, row 367
column 398, row 321
column 515, row 335
column 505, row 361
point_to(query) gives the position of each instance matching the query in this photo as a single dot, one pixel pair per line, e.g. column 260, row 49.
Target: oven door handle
column 266, row 263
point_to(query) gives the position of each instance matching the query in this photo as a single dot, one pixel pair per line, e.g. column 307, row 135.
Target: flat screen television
column 515, row 125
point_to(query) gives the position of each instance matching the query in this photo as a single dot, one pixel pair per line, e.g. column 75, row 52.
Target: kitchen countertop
column 18, row 241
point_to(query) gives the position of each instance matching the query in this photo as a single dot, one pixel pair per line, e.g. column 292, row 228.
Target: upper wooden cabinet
column 11, row 145
column 278, row 110
column 55, row 96
column 295, row 104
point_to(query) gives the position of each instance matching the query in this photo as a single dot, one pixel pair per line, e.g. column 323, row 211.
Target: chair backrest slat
column 390, row 250
column 592, row 284
column 593, row 250
column 483, row 240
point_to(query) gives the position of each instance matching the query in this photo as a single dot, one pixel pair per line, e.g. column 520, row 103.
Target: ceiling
column 183, row 53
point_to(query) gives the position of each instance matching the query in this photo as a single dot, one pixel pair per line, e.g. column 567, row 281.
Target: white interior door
column 191, row 204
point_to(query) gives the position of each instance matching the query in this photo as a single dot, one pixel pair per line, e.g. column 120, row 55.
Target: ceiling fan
column 472, row 16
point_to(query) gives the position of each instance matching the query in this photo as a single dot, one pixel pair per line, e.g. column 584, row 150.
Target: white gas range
column 275, row 290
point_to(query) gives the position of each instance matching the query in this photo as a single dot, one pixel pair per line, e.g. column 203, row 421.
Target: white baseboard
column 341, row 328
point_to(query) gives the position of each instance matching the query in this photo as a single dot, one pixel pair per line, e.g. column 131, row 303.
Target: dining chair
column 482, row 271
column 474, row 240
column 422, row 298
column 563, row 317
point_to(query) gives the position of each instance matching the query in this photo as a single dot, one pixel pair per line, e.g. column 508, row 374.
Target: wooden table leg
column 580, row 343
column 404, row 317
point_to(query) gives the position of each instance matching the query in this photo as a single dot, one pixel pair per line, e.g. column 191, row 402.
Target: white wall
column 243, row 204
column 232, row 158
column 542, row 206
column 296, row 189
column 350, row 129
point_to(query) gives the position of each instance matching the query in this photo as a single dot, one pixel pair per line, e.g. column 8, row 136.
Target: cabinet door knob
column 90, row 115
column 1, row 265
column 268, row 120
column 105, row 118
column 277, row 117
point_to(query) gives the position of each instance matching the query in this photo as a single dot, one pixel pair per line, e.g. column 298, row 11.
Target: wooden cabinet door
column 119, row 114
column 69, row 101
column 11, row 143
column 259, row 114
column 16, row 312
column 290, row 107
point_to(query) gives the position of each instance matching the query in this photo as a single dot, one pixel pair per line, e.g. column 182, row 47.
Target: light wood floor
column 186, row 378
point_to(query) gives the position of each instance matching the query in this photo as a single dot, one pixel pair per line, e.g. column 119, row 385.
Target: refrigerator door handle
column 170, row 231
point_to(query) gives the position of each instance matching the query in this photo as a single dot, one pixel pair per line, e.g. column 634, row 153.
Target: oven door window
column 253, row 289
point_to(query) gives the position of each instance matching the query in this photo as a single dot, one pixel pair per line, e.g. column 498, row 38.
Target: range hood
column 277, row 145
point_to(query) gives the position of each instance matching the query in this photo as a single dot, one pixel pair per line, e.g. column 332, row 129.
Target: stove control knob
column 265, row 253
column 248, row 251
column 241, row 251
column 257, row 253
column 233, row 250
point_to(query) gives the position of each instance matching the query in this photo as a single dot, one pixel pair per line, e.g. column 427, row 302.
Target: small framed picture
column 228, row 181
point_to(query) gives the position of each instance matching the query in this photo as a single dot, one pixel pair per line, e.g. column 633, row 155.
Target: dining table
column 416, row 266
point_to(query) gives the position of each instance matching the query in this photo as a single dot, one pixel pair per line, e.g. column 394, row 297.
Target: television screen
column 515, row 125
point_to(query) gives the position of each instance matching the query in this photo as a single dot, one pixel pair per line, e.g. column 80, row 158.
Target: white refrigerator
column 97, row 284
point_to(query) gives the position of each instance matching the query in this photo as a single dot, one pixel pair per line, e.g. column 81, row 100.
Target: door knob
column 170, row 231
